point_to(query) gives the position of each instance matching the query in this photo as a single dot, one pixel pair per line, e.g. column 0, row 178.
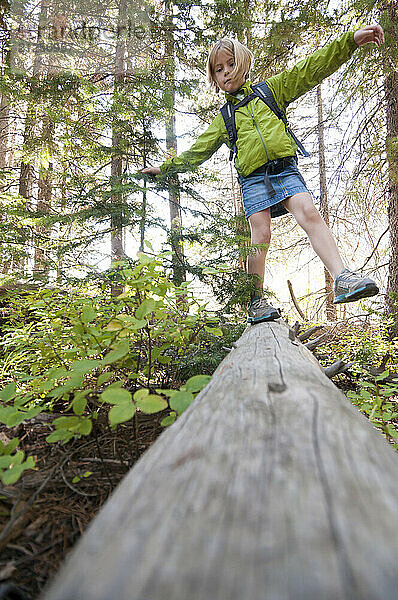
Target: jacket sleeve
column 204, row 147
column 306, row 74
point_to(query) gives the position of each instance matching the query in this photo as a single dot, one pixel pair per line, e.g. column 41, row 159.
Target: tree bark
column 44, row 201
column 390, row 13
column 330, row 308
column 176, row 242
column 4, row 104
column 270, row 486
column 117, row 241
column 26, row 173
column 391, row 95
column 4, row 130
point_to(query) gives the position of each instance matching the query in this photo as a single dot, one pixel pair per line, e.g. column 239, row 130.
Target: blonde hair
column 242, row 56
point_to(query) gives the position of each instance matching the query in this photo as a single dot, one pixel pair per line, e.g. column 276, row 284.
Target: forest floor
column 46, row 511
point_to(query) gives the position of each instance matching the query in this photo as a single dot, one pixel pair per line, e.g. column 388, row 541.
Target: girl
column 266, row 157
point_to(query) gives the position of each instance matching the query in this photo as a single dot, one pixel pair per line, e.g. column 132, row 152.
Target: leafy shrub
column 85, row 352
column 378, row 399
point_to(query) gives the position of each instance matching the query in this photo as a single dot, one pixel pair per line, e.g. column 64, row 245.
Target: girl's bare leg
column 322, row 240
column 260, row 228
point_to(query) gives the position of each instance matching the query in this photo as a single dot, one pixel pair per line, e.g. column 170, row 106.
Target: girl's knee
column 309, row 215
column 261, row 235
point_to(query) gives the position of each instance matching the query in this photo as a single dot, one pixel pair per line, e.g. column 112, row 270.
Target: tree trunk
column 391, row 98
column 271, row 486
column 117, row 241
column 4, row 130
column 4, row 105
column 330, row 308
column 44, row 200
column 26, row 173
column 391, row 94
column 179, row 274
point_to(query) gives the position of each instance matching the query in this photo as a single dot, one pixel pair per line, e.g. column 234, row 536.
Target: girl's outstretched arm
column 306, row 74
column 370, row 33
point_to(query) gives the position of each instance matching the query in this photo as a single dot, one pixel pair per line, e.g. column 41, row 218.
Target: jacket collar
column 243, row 91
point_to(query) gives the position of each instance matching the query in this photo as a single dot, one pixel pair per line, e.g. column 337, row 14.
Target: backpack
column 262, row 91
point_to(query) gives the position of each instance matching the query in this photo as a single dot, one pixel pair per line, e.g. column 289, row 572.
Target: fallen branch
column 336, row 368
column 311, row 345
column 294, row 300
column 306, row 334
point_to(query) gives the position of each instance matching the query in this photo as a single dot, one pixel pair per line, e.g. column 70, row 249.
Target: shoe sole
column 271, row 317
column 370, row 289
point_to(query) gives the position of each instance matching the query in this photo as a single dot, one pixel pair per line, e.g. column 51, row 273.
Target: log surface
column 271, row 486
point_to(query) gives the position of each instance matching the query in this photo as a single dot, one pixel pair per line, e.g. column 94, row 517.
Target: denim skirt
column 284, row 180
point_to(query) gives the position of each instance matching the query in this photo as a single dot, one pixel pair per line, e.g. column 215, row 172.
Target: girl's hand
column 370, row 33
column 151, row 170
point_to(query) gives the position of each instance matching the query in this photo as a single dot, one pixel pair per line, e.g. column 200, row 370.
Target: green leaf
column 79, row 404
column 6, row 412
column 75, row 381
column 12, row 475
column 382, row 375
column 117, row 353
column 164, row 360
column 386, row 415
column 103, row 378
column 146, row 307
column 121, row 413
column 168, row 420
column 214, row 330
column 29, row 463
column 116, row 396
column 141, row 393
column 5, row 462
column 114, row 325
column 76, row 479
column 16, row 418
column 392, row 431
column 58, row 435
column 138, row 324
column 8, row 392
column 180, row 401
column 155, row 353
column 88, row 314
column 145, row 259
column 87, row 473
column 56, row 373
column 85, row 365
column 168, row 393
column 66, row 422
column 18, row 457
column 151, row 404
column 115, row 385
column 33, row 412
column 12, row 444
column 85, row 426
column 196, row 383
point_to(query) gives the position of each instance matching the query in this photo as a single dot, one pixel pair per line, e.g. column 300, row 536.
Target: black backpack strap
column 228, row 114
column 262, row 91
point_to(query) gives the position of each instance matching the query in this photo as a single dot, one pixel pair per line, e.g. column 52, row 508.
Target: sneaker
column 259, row 310
column 349, row 286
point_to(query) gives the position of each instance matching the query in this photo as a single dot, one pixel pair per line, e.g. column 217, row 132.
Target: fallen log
column 270, row 486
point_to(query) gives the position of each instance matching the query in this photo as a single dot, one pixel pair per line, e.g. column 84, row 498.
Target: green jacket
column 261, row 135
